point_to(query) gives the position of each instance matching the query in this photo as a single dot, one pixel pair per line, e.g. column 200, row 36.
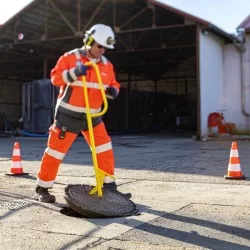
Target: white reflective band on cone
column 234, row 167
column 16, row 164
column 234, row 153
column 16, row 152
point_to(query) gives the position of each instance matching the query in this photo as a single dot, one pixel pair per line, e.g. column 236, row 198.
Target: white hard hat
column 102, row 34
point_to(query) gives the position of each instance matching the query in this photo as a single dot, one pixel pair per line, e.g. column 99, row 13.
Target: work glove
column 80, row 69
column 111, row 93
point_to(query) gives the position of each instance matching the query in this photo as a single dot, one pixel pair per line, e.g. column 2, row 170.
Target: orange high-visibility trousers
column 57, row 149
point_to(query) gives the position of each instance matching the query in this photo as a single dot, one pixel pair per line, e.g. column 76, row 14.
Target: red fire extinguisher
column 214, row 120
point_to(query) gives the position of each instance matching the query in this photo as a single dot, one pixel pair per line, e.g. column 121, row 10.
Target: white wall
column 211, row 77
column 232, row 86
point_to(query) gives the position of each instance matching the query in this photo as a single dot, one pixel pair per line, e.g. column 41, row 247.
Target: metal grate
column 15, row 204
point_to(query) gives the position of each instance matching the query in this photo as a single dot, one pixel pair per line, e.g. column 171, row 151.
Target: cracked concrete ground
column 177, row 184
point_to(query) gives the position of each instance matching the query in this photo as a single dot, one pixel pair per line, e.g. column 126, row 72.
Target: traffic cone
column 234, row 169
column 16, row 164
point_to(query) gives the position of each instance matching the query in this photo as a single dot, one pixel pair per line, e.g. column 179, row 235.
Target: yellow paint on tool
column 99, row 174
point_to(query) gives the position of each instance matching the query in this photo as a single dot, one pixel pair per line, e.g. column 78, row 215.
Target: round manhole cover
column 110, row 204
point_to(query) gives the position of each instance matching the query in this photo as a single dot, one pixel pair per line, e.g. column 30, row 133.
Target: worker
column 70, row 111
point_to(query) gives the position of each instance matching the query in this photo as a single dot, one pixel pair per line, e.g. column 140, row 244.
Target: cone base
column 235, row 177
column 17, row 174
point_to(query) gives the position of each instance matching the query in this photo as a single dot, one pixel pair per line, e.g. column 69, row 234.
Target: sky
column 226, row 14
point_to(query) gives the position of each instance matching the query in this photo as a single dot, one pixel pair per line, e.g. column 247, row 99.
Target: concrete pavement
column 177, row 183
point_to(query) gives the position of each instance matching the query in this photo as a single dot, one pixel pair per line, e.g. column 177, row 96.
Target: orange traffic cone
column 16, row 164
column 234, row 169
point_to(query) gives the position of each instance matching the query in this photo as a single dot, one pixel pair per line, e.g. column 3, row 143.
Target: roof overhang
column 146, row 30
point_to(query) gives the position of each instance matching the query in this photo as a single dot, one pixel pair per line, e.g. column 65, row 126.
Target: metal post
column 45, row 68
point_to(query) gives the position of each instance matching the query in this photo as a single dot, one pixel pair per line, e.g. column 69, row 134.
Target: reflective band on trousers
column 77, row 109
column 108, row 179
column 44, row 184
column 103, row 147
column 56, row 154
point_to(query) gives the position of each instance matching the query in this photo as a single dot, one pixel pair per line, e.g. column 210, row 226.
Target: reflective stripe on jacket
column 71, row 97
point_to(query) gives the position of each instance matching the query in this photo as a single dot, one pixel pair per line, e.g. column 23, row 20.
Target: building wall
column 233, row 101
column 211, row 78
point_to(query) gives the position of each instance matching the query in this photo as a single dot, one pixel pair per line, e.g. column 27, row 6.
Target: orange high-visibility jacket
column 71, row 96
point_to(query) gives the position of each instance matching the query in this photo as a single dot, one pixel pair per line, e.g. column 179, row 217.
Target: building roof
column 245, row 24
column 43, row 30
column 206, row 25
column 39, row 14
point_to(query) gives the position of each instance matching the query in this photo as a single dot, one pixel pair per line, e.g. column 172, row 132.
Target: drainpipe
column 241, row 47
column 243, row 106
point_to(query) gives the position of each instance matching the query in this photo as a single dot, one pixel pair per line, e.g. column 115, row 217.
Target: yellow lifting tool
column 99, row 174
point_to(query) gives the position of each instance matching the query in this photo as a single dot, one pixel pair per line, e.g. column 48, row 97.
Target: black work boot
column 43, row 195
column 113, row 187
